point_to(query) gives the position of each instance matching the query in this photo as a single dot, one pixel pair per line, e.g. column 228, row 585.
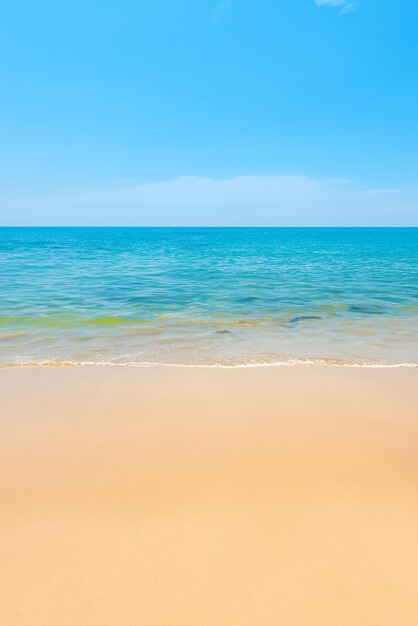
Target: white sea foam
column 229, row 365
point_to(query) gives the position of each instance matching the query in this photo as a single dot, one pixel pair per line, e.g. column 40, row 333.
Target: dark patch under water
column 371, row 309
column 302, row 318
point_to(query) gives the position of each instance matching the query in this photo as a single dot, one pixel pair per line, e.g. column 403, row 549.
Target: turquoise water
column 208, row 296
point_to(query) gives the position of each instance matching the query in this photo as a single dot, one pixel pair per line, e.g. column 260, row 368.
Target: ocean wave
column 228, row 364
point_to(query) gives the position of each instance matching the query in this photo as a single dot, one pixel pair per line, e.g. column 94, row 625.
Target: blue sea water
column 208, row 295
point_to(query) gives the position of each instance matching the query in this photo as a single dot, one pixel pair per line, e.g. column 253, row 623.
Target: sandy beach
column 196, row 496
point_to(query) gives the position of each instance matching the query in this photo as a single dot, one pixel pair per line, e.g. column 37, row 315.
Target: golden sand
column 175, row 496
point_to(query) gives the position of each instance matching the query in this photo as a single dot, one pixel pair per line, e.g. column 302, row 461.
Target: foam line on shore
column 148, row 364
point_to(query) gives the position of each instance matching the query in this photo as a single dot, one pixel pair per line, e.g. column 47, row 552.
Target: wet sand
column 176, row 496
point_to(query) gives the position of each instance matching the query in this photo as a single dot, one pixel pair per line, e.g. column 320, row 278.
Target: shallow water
column 208, row 296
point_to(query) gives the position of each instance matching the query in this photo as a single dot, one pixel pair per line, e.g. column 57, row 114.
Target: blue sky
column 187, row 112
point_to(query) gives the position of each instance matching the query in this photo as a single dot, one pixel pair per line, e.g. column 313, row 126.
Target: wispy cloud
column 220, row 11
column 343, row 6
column 278, row 200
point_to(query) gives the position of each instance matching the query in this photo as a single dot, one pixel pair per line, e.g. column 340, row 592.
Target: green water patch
column 68, row 321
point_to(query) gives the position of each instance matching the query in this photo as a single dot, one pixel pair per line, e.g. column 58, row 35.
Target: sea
column 209, row 296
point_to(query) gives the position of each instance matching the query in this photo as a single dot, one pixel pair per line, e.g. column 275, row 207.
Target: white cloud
column 220, row 11
column 197, row 201
column 349, row 7
column 345, row 6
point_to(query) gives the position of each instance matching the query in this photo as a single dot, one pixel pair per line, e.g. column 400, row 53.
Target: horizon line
column 381, row 226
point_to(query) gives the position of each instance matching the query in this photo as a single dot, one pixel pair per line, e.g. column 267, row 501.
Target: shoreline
column 176, row 495
column 332, row 363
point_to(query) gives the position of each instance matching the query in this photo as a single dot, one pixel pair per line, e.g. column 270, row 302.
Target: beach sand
column 185, row 496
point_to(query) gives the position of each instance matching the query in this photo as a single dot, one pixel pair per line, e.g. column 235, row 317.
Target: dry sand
column 174, row 496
